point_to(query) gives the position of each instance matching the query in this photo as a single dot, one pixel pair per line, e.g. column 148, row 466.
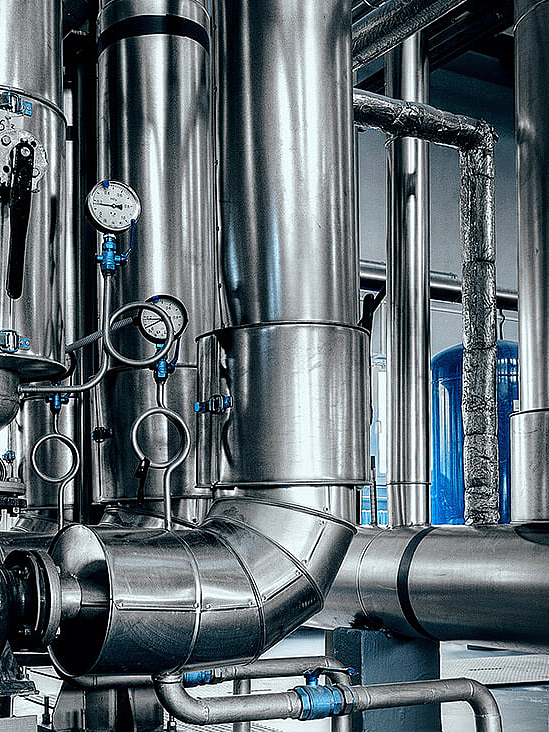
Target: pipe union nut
column 319, row 701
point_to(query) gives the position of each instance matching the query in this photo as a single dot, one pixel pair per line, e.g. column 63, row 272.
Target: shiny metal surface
column 222, row 593
column 529, row 468
column 530, row 494
column 34, row 422
column 444, row 287
column 300, row 404
column 179, row 703
column 532, row 159
column 31, row 65
column 479, row 697
column 117, row 461
column 408, row 304
column 286, row 160
column 450, row 582
column 154, row 100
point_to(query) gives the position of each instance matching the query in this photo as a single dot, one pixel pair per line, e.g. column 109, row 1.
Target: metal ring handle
column 136, row 362
column 181, row 428
column 69, row 475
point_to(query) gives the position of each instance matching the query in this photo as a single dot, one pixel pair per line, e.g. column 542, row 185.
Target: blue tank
column 447, row 479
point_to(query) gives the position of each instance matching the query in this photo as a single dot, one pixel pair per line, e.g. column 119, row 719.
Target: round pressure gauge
column 112, row 206
column 153, row 327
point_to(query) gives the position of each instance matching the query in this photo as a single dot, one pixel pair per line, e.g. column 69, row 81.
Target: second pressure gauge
column 112, row 206
column 153, row 328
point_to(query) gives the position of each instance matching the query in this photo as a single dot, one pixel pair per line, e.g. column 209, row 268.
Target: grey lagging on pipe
column 392, row 23
column 475, row 142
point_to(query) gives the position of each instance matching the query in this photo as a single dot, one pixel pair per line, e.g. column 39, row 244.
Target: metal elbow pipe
column 249, row 575
column 180, row 704
column 383, row 696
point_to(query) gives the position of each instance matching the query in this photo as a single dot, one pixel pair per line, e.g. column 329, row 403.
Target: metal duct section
column 286, row 161
column 32, row 157
column 223, row 593
column 429, row 582
column 530, row 426
column 408, row 303
column 155, row 134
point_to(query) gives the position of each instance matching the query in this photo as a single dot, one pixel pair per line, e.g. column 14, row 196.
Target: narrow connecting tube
column 312, row 702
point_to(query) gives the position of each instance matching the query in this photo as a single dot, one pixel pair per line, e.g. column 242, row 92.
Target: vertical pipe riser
column 408, row 336
column 530, row 426
column 479, row 401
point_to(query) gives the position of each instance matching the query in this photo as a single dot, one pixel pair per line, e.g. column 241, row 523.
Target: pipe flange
column 37, row 580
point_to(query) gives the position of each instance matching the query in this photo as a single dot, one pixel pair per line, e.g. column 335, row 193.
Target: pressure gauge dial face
column 153, row 328
column 112, row 206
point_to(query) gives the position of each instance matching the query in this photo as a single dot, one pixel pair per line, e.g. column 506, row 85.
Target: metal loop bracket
column 181, row 428
column 69, row 475
column 135, row 362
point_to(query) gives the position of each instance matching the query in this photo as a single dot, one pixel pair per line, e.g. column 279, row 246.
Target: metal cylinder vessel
column 155, row 134
column 31, row 69
column 530, row 426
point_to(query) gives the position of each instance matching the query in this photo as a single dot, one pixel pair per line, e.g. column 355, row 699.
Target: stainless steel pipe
column 530, row 426
column 384, row 696
column 184, row 707
column 447, row 582
column 286, row 162
column 408, row 304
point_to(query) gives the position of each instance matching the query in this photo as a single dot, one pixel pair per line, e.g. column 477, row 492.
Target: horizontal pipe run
column 271, row 668
column 313, row 702
column 384, row 696
column 392, row 23
column 413, row 119
column 212, row 710
column 444, row 287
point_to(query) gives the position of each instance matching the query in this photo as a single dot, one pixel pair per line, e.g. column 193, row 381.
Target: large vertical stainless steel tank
column 31, row 81
column 31, row 109
column 155, row 134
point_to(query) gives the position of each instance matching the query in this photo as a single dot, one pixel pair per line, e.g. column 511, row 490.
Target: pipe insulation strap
column 403, row 574
column 148, row 25
column 319, row 701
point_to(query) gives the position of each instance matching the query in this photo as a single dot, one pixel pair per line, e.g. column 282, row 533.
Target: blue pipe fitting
column 56, row 401
column 216, row 404
column 9, row 456
column 109, row 259
column 319, row 701
column 197, row 678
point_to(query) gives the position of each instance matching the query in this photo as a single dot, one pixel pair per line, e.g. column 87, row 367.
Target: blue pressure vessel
column 447, row 479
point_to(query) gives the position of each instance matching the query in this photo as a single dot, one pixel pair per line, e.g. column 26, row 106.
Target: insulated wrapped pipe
column 475, row 142
column 479, row 400
column 387, row 26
